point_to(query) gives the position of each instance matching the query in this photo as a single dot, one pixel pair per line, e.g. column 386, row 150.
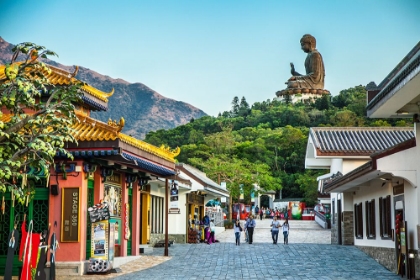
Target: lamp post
column 166, row 217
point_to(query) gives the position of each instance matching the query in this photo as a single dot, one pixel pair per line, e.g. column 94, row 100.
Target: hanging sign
column 70, row 211
column 127, row 232
column 174, row 194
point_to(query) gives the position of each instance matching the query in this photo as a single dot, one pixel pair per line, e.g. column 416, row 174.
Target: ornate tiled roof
column 89, row 129
column 59, row 76
column 361, row 141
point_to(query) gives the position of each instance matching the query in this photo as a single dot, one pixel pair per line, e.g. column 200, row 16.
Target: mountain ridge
column 143, row 108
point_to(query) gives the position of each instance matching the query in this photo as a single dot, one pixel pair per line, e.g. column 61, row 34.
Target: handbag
column 240, row 228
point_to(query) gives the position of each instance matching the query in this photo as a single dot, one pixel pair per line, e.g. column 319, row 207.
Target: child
column 237, row 230
column 285, row 228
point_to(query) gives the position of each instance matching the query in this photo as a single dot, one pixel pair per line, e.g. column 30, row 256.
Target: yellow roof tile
column 62, row 77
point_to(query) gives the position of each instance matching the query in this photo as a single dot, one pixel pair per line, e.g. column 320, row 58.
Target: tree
column 235, row 106
column 239, row 175
column 35, row 122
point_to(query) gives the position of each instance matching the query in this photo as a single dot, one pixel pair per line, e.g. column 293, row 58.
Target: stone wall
column 177, row 238
column 334, row 229
column 347, row 228
column 384, row 256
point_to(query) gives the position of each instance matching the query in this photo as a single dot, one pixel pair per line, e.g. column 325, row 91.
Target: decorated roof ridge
column 90, row 129
column 364, row 141
column 60, row 76
column 162, row 151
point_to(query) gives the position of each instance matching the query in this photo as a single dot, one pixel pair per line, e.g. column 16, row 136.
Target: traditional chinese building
column 108, row 166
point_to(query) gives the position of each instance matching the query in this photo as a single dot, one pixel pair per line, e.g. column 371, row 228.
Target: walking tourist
column 261, row 213
column 250, row 228
column 285, row 228
column 237, row 230
column 212, row 238
column 275, row 224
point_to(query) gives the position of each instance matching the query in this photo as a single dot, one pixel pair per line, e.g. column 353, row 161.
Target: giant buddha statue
column 313, row 81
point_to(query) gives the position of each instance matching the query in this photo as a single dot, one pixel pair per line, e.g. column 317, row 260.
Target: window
column 370, row 219
column 156, row 214
column 385, row 217
column 358, row 221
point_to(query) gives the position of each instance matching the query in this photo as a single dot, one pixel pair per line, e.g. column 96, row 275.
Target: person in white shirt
column 211, row 239
column 237, row 228
column 285, row 228
column 275, row 224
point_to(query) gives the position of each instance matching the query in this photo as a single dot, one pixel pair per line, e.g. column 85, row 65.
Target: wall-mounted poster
column 174, row 194
column 112, row 196
column 100, row 240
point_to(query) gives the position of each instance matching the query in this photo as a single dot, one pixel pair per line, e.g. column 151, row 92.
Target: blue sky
column 206, row 52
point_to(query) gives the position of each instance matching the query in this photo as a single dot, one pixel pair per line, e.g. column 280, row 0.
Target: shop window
column 370, row 219
column 157, row 214
column 358, row 221
column 385, row 217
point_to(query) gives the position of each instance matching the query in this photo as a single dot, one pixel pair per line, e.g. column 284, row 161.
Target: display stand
column 103, row 239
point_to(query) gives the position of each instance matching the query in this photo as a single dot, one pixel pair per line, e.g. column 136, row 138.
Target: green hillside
column 266, row 143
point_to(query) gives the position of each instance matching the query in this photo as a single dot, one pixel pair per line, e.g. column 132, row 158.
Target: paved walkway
column 309, row 255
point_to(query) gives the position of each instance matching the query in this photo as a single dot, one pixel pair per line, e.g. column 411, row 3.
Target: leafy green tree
column 239, row 175
column 244, row 109
column 380, row 123
column 308, row 184
column 36, row 119
column 235, row 106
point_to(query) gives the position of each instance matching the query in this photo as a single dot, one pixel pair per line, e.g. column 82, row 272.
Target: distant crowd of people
column 269, row 213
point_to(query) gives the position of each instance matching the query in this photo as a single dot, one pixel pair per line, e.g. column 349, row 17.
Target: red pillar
column 135, row 218
column 124, row 201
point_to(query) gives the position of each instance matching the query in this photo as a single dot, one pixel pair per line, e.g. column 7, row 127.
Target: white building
column 381, row 196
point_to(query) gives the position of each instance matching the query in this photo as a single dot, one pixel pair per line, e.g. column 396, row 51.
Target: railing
column 322, row 219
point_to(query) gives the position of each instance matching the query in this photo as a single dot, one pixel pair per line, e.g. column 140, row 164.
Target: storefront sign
column 127, row 232
column 70, row 210
column 114, row 178
column 196, row 199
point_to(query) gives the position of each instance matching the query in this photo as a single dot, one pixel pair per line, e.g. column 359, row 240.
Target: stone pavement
column 309, row 255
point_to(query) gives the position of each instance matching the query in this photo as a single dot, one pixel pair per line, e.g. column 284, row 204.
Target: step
column 145, row 248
